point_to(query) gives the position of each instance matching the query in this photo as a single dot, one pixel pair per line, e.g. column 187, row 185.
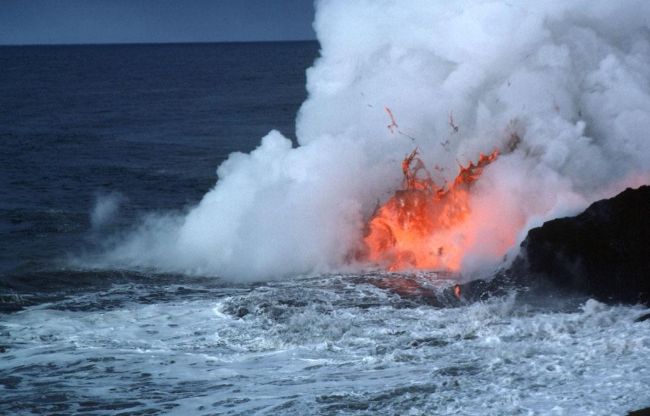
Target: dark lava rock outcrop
column 641, row 412
column 603, row 252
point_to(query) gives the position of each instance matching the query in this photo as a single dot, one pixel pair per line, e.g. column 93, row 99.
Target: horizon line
column 157, row 43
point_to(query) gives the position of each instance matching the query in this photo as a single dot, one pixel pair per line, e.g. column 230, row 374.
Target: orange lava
column 414, row 228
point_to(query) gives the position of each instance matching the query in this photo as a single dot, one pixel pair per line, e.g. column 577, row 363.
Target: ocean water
column 146, row 126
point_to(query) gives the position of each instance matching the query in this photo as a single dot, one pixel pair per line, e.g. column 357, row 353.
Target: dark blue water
column 151, row 122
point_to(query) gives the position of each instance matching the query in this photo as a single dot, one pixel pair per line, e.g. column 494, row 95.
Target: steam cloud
column 105, row 210
column 570, row 79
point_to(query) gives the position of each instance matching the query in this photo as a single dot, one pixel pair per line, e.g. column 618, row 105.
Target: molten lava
column 414, row 229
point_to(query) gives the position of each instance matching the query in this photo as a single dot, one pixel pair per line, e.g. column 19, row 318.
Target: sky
column 145, row 21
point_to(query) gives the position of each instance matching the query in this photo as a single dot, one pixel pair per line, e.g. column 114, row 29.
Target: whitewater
column 326, row 345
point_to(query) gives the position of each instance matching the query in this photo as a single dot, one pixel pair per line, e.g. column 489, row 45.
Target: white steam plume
column 105, row 209
column 570, row 79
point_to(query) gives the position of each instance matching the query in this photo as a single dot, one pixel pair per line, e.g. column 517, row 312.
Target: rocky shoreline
column 603, row 253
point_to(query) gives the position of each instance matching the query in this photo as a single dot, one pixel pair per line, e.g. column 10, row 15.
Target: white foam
column 306, row 346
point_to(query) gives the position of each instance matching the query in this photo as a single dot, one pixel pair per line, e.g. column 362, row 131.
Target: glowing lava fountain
column 418, row 227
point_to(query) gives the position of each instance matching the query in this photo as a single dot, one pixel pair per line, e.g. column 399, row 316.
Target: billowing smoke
column 562, row 88
column 105, row 210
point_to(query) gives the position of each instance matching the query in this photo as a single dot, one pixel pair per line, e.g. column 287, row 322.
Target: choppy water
column 321, row 345
column 152, row 123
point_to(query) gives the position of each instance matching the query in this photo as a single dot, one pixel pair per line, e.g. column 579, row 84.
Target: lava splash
column 415, row 228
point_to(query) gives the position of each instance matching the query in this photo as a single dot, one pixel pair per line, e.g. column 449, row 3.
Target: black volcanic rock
column 641, row 412
column 603, row 252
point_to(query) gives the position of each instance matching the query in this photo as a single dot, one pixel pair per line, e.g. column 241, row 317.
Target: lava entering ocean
column 417, row 228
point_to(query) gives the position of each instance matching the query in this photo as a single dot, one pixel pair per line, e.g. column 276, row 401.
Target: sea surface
column 147, row 126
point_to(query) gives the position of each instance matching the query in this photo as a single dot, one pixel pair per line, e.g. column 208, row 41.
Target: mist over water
column 562, row 89
column 106, row 207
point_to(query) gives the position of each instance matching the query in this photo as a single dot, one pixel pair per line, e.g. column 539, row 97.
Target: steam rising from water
column 570, row 79
column 106, row 208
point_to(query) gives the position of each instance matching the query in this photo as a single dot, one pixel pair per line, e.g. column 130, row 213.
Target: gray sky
column 120, row 21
